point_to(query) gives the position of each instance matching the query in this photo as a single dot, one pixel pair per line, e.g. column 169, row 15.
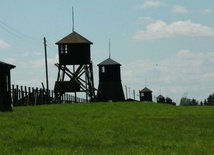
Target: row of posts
column 23, row 96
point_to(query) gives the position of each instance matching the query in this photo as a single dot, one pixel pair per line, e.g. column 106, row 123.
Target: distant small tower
column 161, row 99
column 74, row 52
column 168, row 100
column 110, row 86
column 5, row 86
column 145, row 94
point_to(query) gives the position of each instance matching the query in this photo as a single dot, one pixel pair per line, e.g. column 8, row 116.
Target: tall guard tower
column 110, row 86
column 75, row 71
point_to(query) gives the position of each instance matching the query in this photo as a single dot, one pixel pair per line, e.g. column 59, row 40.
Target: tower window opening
column 66, row 49
column 63, row 49
column 103, row 69
column 142, row 94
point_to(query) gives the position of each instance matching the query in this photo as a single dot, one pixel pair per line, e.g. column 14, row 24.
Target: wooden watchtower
column 168, row 100
column 161, row 99
column 5, row 86
column 75, row 71
column 110, row 86
column 145, row 94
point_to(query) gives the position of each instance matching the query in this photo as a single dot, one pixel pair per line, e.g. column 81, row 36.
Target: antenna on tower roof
column 72, row 19
column 109, row 48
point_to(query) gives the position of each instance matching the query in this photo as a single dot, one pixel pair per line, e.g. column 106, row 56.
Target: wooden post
column 46, row 68
column 25, row 92
column 29, row 96
column 22, row 96
column 13, row 97
column 17, row 93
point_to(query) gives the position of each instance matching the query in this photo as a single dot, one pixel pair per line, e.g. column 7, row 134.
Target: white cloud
column 33, row 70
column 10, row 60
column 179, row 9
column 144, row 20
column 206, row 11
column 3, row 44
column 160, row 30
column 151, row 3
column 183, row 71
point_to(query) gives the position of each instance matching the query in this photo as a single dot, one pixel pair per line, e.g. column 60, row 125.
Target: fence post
column 17, row 93
column 25, row 92
column 22, row 95
column 13, row 96
column 51, row 97
column 29, row 96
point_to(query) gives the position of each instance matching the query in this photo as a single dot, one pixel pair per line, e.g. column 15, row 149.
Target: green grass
column 108, row 128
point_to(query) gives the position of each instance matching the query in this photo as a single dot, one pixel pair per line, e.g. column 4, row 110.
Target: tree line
column 191, row 102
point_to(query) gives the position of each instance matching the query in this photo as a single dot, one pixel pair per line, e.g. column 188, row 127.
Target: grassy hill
column 108, row 128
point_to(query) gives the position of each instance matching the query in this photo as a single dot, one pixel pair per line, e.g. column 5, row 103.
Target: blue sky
column 168, row 43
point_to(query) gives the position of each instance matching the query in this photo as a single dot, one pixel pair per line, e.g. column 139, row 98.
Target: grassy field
column 108, row 128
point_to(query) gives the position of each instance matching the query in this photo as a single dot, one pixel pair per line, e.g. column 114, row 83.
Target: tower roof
column 167, row 98
column 144, row 90
column 3, row 64
column 74, row 38
column 160, row 96
column 108, row 61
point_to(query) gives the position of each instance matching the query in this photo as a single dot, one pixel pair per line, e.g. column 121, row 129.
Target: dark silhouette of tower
column 110, row 86
column 5, row 91
column 74, row 52
column 168, row 100
column 145, row 94
column 161, row 99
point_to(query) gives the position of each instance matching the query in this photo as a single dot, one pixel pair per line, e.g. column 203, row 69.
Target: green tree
column 188, row 102
column 209, row 100
column 184, row 101
column 205, row 102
